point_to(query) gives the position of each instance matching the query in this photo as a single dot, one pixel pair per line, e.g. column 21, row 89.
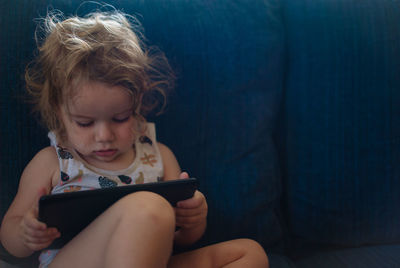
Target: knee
column 251, row 249
column 249, row 244
column 149, row 207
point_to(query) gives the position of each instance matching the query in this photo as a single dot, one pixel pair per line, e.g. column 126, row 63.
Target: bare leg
column 137, row 231
column 235, row 253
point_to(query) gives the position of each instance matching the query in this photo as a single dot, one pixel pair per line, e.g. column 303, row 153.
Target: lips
column 105, row 153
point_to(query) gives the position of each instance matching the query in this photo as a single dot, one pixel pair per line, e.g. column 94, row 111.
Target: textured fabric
column 46, row 257
column 229, row 58
column 20, row 135
column 342, row 105
column 386, row 256
column 8, row 261
column 6, row 265
column 280, row 261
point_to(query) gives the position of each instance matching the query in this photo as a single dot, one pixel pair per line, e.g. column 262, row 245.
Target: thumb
column 41, row 192
column 184, row 175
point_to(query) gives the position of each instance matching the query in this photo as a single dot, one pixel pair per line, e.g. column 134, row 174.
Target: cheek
column 79, row 140
column 126, row 132
column 78, row 137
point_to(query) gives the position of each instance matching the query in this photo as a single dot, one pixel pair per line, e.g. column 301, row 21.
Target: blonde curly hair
column 102, row 46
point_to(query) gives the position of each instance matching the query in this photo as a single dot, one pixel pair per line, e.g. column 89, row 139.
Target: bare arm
column 21, row 233
column 191, row 214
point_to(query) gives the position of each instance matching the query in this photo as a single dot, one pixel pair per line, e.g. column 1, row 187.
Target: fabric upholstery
column 342, row 122
column 386, row 256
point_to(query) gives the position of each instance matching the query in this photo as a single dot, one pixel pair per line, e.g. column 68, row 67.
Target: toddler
column 93, row 82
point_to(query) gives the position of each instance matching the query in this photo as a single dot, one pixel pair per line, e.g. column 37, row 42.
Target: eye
column 84, row 124
column 121, row 120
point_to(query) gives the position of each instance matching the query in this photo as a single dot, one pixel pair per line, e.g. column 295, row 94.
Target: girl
column 92, row 83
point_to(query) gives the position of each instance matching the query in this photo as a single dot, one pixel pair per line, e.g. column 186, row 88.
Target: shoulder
column 166, row 154
column 171, row 165
column 47, row 156
column 164, row 150
column 42, row 167
column 35, row 179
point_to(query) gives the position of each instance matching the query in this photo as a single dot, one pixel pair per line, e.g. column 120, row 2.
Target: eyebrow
column 79, row 116
column 88, row 117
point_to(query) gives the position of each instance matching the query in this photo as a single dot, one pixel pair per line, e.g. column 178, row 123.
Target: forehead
column 93, row 97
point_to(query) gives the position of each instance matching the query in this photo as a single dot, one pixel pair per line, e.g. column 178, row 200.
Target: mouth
column 105, row 153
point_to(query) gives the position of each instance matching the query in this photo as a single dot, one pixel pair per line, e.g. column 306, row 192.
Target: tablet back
column 71, row 212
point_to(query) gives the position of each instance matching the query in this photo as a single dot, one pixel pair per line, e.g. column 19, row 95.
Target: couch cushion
column 386, row 256
column 343, row 121
column 20, row 135
column 228, row 57
column 280, row 261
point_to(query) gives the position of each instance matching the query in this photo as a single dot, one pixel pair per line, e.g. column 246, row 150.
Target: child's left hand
column 191, row 217
column 192, row 212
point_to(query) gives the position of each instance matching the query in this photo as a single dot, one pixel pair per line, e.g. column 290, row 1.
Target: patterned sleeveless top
column 77, row 174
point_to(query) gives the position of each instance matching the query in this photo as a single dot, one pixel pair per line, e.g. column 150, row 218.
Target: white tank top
column 77, row 174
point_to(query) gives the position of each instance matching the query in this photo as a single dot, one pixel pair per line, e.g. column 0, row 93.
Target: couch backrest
column 342, row 121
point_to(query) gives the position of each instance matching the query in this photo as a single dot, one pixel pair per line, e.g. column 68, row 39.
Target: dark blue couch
column 288, row 112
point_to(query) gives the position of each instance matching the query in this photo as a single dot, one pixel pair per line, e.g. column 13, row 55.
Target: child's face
column 99, row 125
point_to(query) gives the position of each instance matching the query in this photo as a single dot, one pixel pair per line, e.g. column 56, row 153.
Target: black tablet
column 71, row 212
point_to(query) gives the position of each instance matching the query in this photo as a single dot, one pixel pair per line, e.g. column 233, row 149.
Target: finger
column 191, row 214
column 31, row 222
column 189, row 222
column 191, row 219
column 38, row 246
column 32, row 227
column 41, row 192
column 35, row 210
column 184, row 212
column 40, row 234
column 40, row 240
column 196, row 201
column 38, row 243
column 184, row 175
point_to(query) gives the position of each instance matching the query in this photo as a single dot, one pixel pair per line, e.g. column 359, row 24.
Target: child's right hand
column 35, row 234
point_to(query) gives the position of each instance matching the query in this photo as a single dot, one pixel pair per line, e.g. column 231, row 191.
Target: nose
column 104, row 132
